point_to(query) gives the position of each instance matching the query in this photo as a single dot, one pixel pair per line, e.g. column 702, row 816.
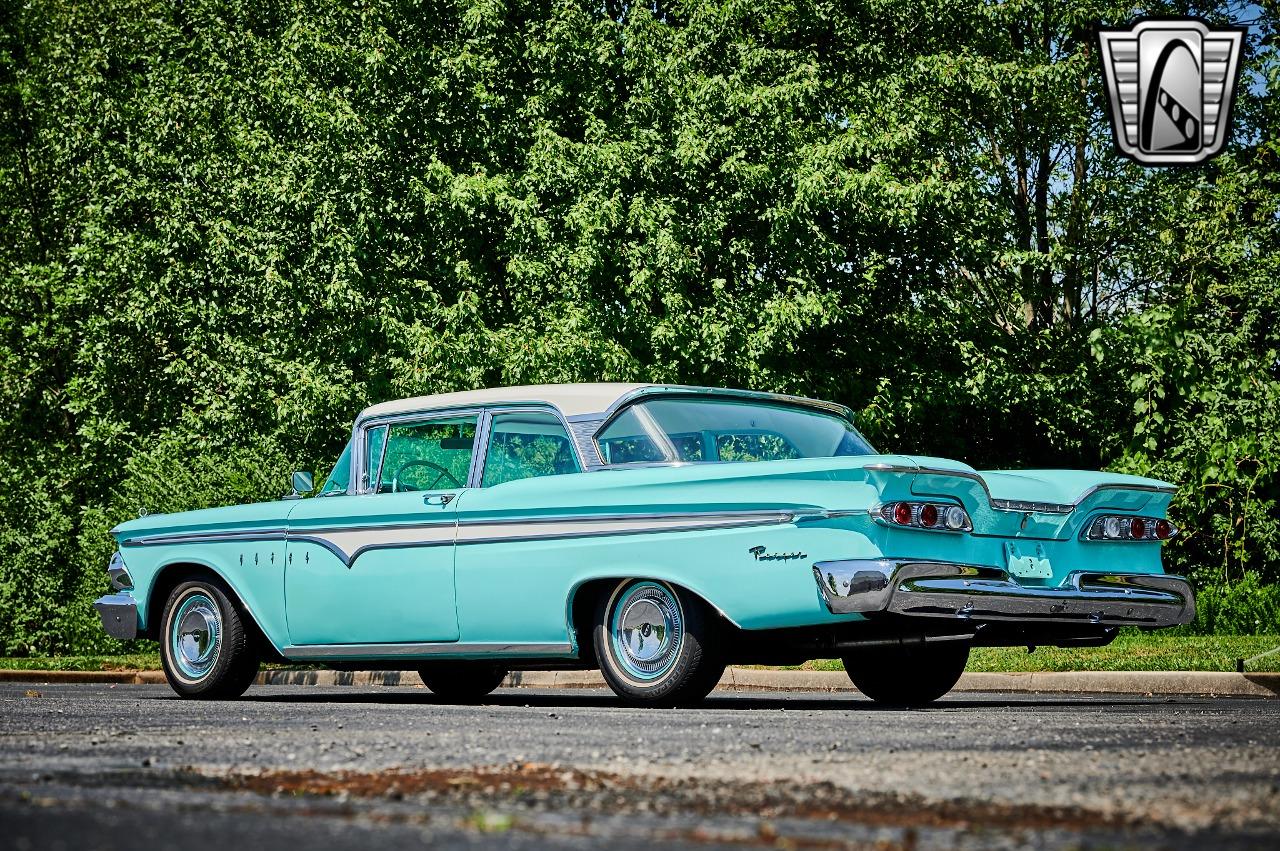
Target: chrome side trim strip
column 1123, row 487
column 1015, row 505
column 481, row 533
column 348, row 543
column 835, row 513
column 1023, row 506
column 205, row 537
column 656, row 519
column 881, row 467
column 459, row 650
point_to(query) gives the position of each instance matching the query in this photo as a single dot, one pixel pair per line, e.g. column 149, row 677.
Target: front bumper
column 119, row 613
column 977, row 593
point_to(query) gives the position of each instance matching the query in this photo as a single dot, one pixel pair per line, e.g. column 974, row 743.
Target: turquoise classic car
column 654, row 532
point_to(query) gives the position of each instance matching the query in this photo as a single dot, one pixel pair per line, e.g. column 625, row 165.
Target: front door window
column 421, row 456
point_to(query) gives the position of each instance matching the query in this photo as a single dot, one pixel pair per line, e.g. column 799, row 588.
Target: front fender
column 260, row 593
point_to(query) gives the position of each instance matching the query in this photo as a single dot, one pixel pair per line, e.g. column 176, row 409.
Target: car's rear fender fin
column 901, row 482
column 1048, row 504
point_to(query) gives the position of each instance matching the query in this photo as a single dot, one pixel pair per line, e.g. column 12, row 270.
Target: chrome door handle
column 440, row 499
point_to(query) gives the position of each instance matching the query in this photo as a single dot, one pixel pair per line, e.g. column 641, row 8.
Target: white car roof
column 573, row 400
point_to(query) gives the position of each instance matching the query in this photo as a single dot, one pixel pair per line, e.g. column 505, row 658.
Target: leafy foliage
column 226, row 226
column 1244, row 607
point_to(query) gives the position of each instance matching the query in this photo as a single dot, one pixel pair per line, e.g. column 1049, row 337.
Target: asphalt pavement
column 128, row 766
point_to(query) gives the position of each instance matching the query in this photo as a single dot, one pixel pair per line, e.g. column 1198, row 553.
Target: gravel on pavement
column 132, row 765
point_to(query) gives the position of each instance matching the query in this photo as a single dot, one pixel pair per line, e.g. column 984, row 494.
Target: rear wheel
column 205, row 646
column 657, row 645
column 461, row 682
column 907, row 676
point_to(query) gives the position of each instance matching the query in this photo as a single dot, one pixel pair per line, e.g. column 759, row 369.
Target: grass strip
column 1129, row 652
column 127, row 662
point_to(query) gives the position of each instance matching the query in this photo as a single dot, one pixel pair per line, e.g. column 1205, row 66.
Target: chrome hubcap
column 647, row 630
column 197, row 636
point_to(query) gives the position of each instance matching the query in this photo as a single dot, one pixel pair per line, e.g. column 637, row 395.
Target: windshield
column 341, row 475
column 696, row 429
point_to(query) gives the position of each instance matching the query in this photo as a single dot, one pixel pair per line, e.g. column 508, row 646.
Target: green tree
column 226, row 226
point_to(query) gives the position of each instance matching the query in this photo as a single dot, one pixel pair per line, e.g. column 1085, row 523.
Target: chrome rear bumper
column 119, row 613
column 972, row 592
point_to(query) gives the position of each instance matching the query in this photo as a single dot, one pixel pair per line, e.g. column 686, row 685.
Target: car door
column 513, row 571
column 375, row 565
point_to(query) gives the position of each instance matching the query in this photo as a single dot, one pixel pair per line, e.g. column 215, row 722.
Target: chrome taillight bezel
column 1120, row 528
column 886, row 515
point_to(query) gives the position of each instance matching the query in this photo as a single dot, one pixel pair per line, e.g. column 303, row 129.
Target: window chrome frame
column 482, row 455
column 588, row 425
column 349, row 489
column 646, row 394
column 484, row 424
column 361, row 429
column 382, row 453
column 686, row 391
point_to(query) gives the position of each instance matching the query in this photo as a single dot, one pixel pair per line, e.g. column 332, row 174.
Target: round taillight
column 928, row 515
column 955, row 517
column 902, row 514
column 1111, row 527
column 1164, row 530
column 1137, row 528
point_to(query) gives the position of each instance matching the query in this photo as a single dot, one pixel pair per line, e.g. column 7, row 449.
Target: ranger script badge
column 1170, row 85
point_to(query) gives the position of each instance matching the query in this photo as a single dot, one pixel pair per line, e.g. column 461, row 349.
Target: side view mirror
column 301, row 483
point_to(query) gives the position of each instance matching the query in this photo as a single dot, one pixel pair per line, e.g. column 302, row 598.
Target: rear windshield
column 698, row 429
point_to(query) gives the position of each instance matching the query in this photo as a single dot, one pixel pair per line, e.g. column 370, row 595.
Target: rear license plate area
column 1027, row 561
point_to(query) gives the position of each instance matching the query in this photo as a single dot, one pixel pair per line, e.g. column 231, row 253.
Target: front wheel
column 657, row 645
column 205, row 646
column 461, row 682
column 907, row 675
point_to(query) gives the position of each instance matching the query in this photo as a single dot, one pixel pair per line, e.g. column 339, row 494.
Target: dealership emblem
column 1170, row 85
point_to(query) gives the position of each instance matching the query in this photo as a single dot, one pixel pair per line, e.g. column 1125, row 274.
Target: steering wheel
column 422, row 462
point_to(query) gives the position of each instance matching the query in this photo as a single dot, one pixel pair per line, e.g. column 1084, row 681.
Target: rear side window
column 527, row 444
column 631, row 439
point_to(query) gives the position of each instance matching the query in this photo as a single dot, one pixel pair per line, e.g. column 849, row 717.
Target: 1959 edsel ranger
column 654, row 532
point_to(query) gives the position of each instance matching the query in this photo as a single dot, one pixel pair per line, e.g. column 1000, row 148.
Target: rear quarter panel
column 521, row 590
